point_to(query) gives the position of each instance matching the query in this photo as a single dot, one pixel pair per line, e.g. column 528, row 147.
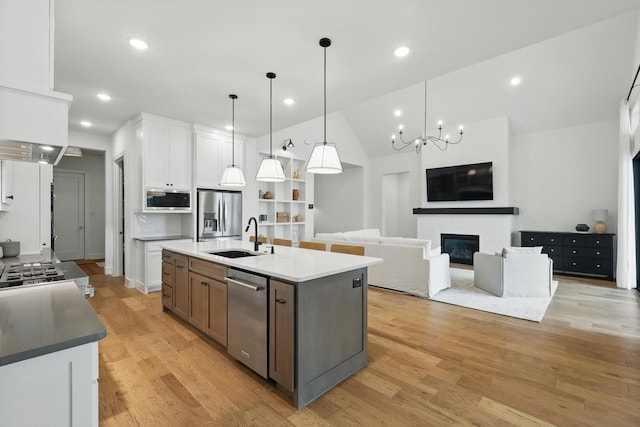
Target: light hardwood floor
column 430, row 364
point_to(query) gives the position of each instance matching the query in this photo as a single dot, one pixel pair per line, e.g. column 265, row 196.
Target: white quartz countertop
column 287, row 263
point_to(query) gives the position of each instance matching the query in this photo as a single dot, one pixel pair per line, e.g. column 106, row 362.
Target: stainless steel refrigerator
column 219, row 215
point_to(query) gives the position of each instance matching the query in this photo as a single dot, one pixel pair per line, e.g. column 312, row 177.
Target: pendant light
column 324, row 158
column 270, row 169
column 232, row 176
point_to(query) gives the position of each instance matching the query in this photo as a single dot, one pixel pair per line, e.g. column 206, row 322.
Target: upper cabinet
column 26, row 44
column 166, row 155
column 214, row 151
column 6, row 192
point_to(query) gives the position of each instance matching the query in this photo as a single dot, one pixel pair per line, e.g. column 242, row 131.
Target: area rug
column 463, row 293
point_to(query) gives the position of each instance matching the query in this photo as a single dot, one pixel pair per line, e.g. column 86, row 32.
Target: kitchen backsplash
column 157, row 224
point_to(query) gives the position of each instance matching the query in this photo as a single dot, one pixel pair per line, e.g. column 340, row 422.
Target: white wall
column 562, row 174
column 93, row 165
column 397, row 216
column 339, row 201
column 408, row 162
column 484, row 141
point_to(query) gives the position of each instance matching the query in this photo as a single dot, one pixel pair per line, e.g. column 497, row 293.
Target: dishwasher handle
column 256, row 288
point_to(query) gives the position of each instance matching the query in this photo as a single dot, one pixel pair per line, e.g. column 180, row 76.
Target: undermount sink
column 233, row 253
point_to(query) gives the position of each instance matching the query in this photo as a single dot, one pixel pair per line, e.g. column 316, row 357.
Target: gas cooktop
column 30, row 273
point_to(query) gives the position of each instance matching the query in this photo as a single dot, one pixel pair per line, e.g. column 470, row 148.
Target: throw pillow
column 523, row 250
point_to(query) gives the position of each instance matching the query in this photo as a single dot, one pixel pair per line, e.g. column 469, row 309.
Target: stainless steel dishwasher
column 247, row 297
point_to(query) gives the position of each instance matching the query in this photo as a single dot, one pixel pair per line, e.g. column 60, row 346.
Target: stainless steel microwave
column 163, row 199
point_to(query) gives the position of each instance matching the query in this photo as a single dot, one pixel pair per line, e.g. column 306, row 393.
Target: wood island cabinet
column 281, row 338
column 181, row 285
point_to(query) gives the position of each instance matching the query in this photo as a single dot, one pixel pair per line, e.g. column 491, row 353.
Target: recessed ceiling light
column 401, row 51
column 104, row 97
column 228, row 127
column 289, row 101
column 397, row 113
column 515, row 81
column 86, row 123
column 139, row 44
column 46, row 148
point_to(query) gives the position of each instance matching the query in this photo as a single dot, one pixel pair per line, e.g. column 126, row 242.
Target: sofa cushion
column 371, row 232
column 407, row 241
column 330, row 236
column 524, row 250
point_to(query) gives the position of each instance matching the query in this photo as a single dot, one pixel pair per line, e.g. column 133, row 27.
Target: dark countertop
column 40, row 319
column 157, row 238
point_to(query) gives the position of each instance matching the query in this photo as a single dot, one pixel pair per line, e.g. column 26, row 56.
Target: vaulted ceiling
column 201, row 51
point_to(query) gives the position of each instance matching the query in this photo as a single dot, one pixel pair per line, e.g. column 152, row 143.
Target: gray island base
column 315, row 309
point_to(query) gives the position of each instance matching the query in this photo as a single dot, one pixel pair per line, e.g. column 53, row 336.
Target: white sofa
column 410, row 265
column 519, row 275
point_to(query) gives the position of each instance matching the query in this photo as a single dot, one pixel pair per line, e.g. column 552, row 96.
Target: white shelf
column 282, row 201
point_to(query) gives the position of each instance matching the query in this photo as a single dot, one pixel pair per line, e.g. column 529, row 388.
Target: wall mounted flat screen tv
column 462, row 182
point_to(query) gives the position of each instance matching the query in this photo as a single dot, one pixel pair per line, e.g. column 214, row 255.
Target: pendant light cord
column 325, row 95
column 424, row 135
column 233, row 129
column 270, row 118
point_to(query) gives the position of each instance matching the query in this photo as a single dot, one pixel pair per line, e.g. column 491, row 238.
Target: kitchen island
column 48, row 356
column 297, row 316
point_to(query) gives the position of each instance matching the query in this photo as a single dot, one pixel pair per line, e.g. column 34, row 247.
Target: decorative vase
column 296, row 194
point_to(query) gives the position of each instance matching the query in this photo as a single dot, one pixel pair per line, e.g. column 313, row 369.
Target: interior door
column 68, row 214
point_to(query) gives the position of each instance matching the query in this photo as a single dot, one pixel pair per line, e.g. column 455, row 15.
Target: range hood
column 34, row 124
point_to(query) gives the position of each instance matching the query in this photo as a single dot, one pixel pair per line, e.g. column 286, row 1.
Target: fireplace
column 460, row 247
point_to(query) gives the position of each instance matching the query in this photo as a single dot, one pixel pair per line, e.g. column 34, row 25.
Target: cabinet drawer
column 587, row 252
column 587, row 265
column 599, row 242
column 541, row 239
column 573, row 241
column 208, row 269
column 167, row 256
column 552, row 250
column 167, row 273
column 167, row 296
column 558, row 262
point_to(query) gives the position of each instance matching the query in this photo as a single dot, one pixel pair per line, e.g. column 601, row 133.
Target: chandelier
column 438, row 141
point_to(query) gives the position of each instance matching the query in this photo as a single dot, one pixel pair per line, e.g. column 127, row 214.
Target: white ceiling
column 201, row 51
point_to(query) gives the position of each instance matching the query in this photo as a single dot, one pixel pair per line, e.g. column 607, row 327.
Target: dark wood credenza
column 581, row 254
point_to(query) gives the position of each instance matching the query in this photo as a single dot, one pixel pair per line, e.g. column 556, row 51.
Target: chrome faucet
column 256, row 243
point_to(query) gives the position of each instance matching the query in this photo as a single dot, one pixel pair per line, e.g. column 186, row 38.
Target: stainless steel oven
column 163, row 199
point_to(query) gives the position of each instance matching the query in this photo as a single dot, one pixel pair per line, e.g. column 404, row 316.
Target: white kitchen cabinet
column 59, row 388
column 214, row 154
column 166, row 155
column 6, row 191
column 150, row 254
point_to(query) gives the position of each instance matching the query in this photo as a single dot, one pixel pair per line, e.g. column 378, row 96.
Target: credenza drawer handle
column 531, row 238
column 598, row 242
column 553, row 240
column 598, row 253
column 573, row 263
column 573, row 252
column 598, row 265
column 573, row 240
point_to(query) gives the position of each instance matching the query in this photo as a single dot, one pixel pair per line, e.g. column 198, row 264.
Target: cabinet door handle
column 166, row 274
column 281, row 301
column 179, row 266
column 165, row 296
column 10, row 197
